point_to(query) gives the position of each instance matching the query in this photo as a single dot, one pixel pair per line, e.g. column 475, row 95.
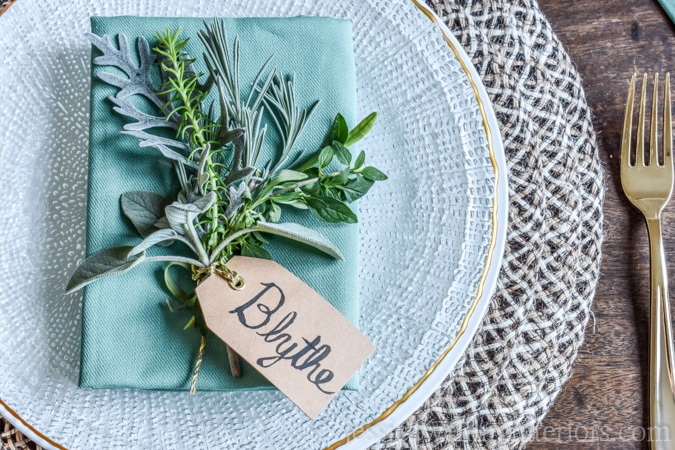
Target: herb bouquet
column 213, row 133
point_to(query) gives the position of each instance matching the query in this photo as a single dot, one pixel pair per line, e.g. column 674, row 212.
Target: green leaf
column 259, row 237
column 331, row 210
column 299, row 233
column 333, row 192
column 284, row 176
column 360, row 159
column 111, row 261
column 156, row 237
column 255, row 251
column 343, row 154
column 338, row 131
column 374, row 174
column 274, row 213
column 173, row 286
column 341, row 178
column 360, row 130
column 288, row 175
column 143, row 209
column 356, row 188
column 326, row 156
column 295, row 203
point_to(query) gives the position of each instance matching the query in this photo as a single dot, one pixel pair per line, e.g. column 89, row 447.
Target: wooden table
column 604, row 405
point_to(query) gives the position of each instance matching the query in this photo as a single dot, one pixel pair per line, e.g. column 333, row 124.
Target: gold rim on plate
column 493, row 242
column 463, row 327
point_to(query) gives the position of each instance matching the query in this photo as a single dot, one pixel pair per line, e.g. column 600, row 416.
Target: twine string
column 198, row 365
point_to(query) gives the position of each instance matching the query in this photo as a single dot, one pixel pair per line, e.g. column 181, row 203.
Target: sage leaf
column 178, row 217
column 205, row 202
column 144, row 209
column 299, row 233
column 156, row 237
column 343, row 154
column 330, row 210
column 111, row 261
column 361, row 129
column 179, row 214
column 374, row 174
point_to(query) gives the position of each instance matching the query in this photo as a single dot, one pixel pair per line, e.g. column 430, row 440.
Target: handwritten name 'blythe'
column 256, row 314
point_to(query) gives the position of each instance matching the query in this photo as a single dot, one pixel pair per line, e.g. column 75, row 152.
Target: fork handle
column 661, row 433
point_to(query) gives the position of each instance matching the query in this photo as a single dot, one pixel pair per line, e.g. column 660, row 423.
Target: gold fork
column 649, row 185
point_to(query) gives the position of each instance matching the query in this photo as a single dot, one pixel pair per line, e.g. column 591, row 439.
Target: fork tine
column 626, row 137
column 667, row 127
column 640, row 147
column 654, row 128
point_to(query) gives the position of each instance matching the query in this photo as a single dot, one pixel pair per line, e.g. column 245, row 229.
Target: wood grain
column 604, row 405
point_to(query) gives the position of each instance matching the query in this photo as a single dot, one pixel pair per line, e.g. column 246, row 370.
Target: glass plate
column 432, row 237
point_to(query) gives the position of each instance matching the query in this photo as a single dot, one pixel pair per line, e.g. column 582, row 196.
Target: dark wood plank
column 604, row 404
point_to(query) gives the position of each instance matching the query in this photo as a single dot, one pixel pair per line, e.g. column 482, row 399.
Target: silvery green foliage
column 139, row 78
column 247, row 194
column 299, row 233
column 138, row 81
column 111, row 261
column 159, row 236
column 144, row 209
column 181, row 214
column 289, row 120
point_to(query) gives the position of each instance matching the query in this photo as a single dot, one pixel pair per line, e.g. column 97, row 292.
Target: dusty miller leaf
column 164, row 145
column 299, row 233
column 111, row 261
column 143, row 120
column 139, row 79
column 236, row 197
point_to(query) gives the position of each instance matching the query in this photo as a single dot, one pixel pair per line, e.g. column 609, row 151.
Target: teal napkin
column 130, row 337
column 669, row 6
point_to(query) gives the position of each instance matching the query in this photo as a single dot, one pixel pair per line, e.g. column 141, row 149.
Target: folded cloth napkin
column 130, row 337
column 669, row 6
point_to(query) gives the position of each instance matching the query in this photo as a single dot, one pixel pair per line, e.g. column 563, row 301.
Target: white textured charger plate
column 432, row 237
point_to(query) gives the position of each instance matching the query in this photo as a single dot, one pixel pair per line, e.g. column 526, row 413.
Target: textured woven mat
column 523, row 353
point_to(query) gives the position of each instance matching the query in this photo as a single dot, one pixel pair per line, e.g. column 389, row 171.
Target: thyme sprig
column 230, row 197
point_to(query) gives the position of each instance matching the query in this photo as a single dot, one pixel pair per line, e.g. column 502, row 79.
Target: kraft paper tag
column 287, row 331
